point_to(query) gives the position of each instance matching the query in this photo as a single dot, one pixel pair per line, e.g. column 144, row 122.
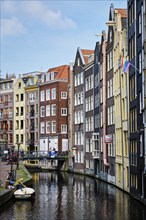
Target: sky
column 36, row 35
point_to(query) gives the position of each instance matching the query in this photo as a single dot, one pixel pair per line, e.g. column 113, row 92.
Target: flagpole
column 134, row 67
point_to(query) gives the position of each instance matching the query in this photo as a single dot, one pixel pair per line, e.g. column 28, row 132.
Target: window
column 42, row 127
column 47, row 110
column 76, row 80
column 140, row 23
column 64, row 111
column 140, row 102
column 78, row 62
column 53, row 110
column 19, row 85
column 141, row 146
column 140, row 62
column 53, row 126
column 31, row 97
column 42, row 96
column 54, row 93
column 63, row 128
column 63, row 95
column 110, row 36
column 21, row 138
column 42, row 111
column 47, row 76
column 110, row 114
column 48, row 126
column 48, row 94
column 21, row 97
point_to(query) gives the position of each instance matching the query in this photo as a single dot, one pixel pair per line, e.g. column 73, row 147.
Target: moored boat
column 24, row 193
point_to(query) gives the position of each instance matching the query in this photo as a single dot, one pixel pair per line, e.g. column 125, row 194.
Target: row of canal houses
column 94, row 108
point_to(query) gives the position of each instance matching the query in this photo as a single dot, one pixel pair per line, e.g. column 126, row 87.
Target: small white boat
column 24, row 193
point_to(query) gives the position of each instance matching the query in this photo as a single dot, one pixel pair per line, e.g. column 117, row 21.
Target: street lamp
column 17, row 167
column 12, row 152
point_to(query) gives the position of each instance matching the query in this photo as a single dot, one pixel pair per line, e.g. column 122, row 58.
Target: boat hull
column 24, row 193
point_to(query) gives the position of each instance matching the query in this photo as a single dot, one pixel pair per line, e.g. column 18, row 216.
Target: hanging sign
column 108, row 139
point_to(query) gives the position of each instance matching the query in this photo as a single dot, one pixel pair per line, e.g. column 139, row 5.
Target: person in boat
column 19, row 183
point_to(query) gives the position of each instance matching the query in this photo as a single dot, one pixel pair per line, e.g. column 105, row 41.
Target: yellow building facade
column 121, row 100
column 19, row 114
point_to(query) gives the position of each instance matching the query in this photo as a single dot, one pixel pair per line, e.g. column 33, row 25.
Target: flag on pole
column 122, row 62
column 126, row 66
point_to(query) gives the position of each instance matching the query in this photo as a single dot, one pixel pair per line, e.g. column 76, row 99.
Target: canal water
column 63, row 196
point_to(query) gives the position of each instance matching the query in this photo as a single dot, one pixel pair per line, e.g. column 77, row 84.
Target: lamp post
column 12, row 152
column 17, row 168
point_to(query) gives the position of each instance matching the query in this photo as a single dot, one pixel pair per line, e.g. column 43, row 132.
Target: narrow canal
column 63, row 196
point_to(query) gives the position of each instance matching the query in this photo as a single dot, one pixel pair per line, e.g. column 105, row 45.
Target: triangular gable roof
column 111, row 13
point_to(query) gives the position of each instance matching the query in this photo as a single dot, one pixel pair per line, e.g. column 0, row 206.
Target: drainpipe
column 104, row 104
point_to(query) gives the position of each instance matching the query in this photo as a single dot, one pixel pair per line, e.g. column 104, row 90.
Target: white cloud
column 12, row 26
column 9, row 6
column 50, row 17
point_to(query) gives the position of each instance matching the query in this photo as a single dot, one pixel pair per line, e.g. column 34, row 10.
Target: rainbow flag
column 126, row 66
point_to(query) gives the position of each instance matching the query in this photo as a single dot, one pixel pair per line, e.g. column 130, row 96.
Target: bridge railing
column 42, row 154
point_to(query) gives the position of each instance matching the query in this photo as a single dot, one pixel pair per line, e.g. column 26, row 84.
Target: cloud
column 48, row 16
column 8, row 6
column 12, row 26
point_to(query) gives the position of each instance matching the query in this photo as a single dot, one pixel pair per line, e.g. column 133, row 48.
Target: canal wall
column 8, row 194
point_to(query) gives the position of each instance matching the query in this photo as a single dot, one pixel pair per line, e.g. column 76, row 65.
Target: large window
column 89, row 124
column 110, row 114
column 42, row 111
column 42, row 96
column 42, row 127
column 53, row 110
column 48, row 127
column 78, row 117
column 53, row 126
column 110, row 88
column 31, row 97
column 48, row 94
column 47, row 110
column 89, row 82
column 54, row 93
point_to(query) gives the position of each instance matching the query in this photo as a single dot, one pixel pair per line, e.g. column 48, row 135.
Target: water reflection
column 63, row 196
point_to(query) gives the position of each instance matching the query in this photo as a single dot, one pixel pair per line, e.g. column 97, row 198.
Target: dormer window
column 52, row 75
column 31, row 81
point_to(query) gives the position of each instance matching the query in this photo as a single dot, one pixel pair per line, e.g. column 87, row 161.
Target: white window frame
column 48, row 94
column 42, row 111
column 63, row 95
column 64, row 111
column 53, row 109
column 53, row 93
column 64, row 129
column 48, row 127
column 42, row 127
column 42, row 96
column 53, row 126
column 48, row 109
